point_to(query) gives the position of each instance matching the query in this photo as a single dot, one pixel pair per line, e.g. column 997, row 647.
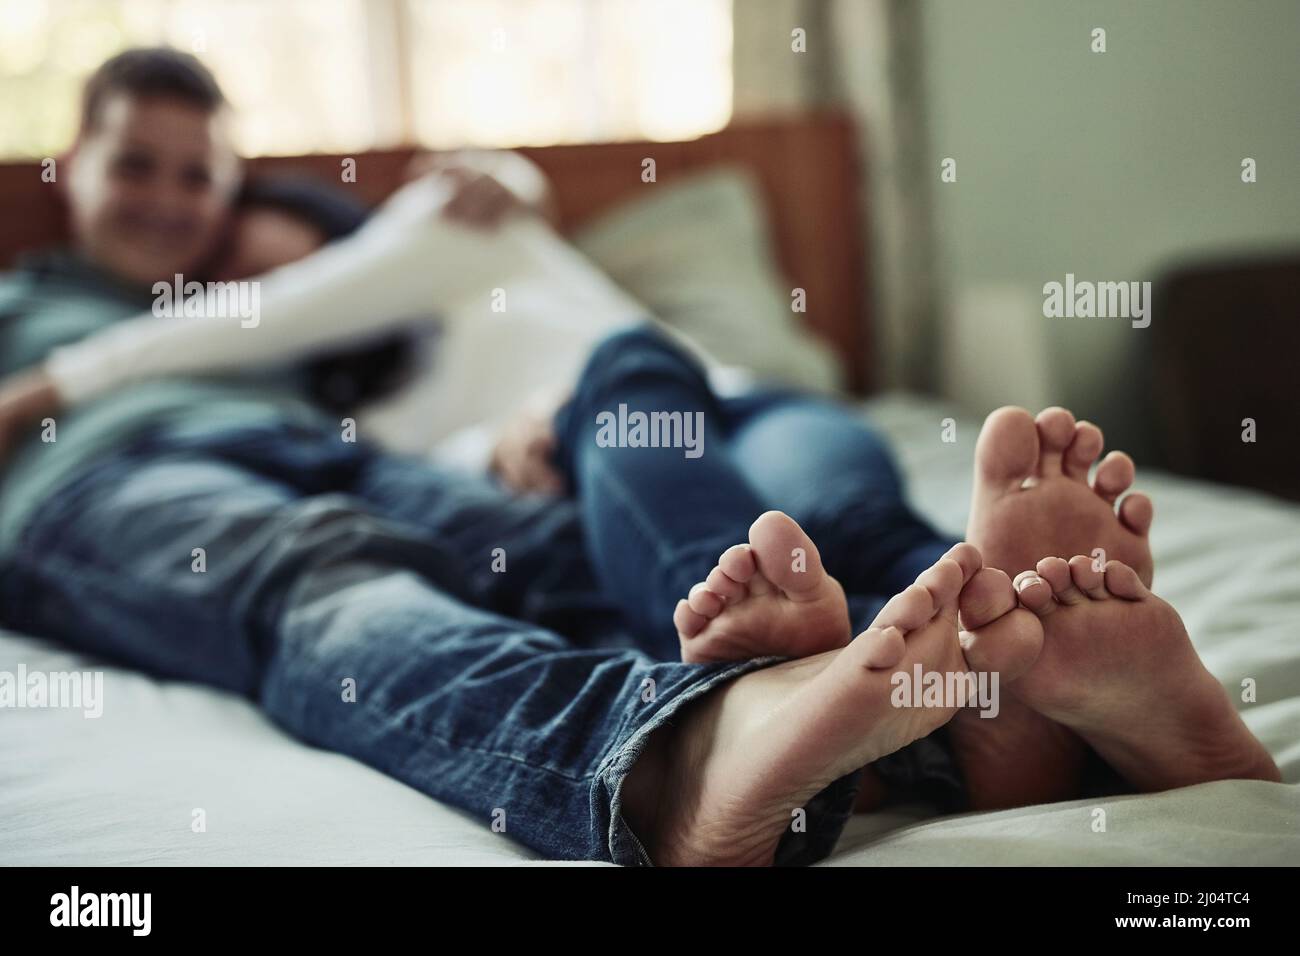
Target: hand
column 488, row 186
column 25, row 399
column 522, row 456
column 478, row 199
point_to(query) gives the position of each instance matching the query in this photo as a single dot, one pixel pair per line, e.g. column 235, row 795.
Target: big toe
column 785, row 555
column 1007, row 451
column 998, row 636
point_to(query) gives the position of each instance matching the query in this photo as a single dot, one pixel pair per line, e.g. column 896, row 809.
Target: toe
column 1056, row 572
column 785, row 555
column 943, row 580
column 720, row 584
column 907, row 610
column 704, row 602
column 1123, row 582
column 1136, row 512
column 1055, row 432
column 1114, row 475
column 1035, row 593
column 986, row 596
column 999, row 637
column 881, row 648
column 1083, row 450
column 737, row 563
column 1088, row 577
column 688, row 623
column 1007, row 451
column 1007, row 646
column 967, row 557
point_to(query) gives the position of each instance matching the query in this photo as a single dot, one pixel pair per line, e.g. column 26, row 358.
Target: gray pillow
column 696, row 252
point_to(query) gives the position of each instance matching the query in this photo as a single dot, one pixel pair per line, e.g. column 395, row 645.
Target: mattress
column 133, row 786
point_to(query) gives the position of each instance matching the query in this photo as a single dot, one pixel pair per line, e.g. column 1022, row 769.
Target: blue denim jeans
column 509, row 656
column 353, row 595
column 656, row 519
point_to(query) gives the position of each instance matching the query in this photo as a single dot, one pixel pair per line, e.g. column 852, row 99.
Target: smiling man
column 149, row 184
column 152, row 172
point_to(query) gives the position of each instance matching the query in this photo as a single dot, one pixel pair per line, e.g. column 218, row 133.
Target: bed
column 121, row 789
column 125, row 788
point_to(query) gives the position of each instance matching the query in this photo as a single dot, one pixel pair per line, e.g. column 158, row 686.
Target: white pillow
column 696, row 253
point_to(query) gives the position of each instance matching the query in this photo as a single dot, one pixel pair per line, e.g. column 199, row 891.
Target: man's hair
column 150, row 71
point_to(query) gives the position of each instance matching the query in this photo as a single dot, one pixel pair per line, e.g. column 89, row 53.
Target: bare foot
column 771, row 596
column 1118, row 668
column 1032, row 498
column 720, row 785
column 1010, row 759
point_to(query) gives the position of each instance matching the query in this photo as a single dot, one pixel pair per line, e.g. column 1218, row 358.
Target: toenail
column 1026, row 582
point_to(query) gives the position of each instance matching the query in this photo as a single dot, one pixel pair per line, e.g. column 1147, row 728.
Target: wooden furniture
column 808, row 167
column 1224, row 346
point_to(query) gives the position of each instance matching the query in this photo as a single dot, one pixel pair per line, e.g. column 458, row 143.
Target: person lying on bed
column 395, row 564
column 425, row 255
column 223, row 530
column 278, row 222
column 281, row 222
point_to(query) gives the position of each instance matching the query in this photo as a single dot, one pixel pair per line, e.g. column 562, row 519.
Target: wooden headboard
column 808, row 167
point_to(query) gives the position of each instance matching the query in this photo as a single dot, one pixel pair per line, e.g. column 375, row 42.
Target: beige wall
column 1108, row 165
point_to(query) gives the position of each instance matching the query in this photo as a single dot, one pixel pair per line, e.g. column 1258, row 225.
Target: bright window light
column 509, row 72
column 348, row 75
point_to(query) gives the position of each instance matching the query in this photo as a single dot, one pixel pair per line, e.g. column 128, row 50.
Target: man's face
column 150, row 186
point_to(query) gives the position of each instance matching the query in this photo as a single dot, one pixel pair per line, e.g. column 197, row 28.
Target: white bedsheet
column 122, row 789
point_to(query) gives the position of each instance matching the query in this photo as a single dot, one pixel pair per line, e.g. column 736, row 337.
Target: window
column 504, row 72
column 348, row 75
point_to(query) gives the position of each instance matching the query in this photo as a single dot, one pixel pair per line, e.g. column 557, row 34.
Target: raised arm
column 411, row 260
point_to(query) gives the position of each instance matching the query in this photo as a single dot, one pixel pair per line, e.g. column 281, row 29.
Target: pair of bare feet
column 1090, row 657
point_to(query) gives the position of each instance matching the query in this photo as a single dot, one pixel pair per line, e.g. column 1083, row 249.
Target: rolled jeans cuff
column 825, row 815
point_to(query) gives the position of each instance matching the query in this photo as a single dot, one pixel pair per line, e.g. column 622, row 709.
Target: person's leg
column 523, row 555
column 334, row 620
column 822, row 464
column 657, row 521
column 655, row 518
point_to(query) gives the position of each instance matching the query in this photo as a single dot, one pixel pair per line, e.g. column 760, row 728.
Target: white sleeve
column 406, row 262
